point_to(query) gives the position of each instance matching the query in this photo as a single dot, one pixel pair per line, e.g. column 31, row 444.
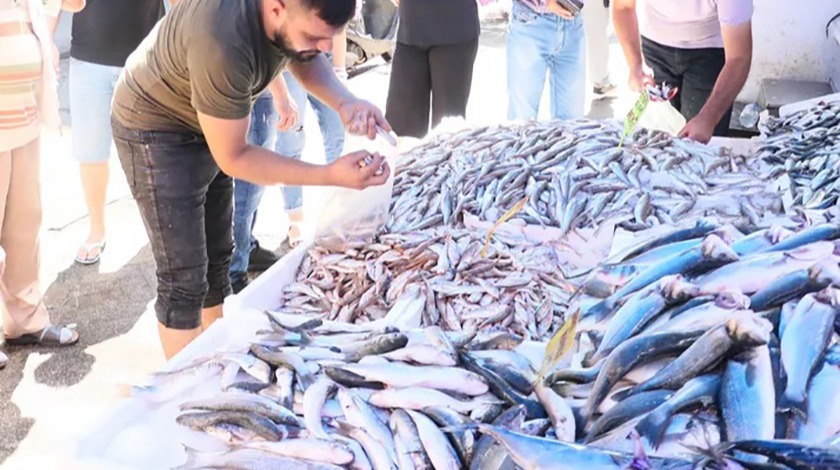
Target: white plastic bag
column 661, row 116
column 351, row 215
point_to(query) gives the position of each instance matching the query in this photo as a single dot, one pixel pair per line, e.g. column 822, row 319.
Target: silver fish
column 805, row 340
column 747, row 396
column 709, row 349
column 438, row 448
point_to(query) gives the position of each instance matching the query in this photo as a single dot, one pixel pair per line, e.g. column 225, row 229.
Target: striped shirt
column 21, row 72
column 536, row 5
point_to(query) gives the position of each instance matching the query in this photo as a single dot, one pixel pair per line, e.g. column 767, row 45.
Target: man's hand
column 640, row 77
column 352, row 170
column 698, row 129
column 287, row 112
column 361, row 118
column 554, row 7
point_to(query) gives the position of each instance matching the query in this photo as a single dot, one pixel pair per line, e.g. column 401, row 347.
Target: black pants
column 440, row 76
column 695, row 71
column 186, row 204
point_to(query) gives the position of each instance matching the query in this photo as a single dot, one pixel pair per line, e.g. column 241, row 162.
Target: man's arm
column 226, row 139
column 626, row 25
column 228, row 143
column 737, row 45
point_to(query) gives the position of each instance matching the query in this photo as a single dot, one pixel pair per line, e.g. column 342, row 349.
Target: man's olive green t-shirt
column 210, row 56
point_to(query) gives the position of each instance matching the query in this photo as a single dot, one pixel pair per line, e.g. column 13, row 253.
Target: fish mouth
column 714, row 248
column 732, row 299
column 749, row 332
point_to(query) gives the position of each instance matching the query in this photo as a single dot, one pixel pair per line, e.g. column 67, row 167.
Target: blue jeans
column 537, row 44
column 263, row 132
column 91, row 89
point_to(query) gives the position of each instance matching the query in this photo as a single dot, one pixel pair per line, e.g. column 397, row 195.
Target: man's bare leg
column 210, row 315
column 174, row 341
column 95, row 185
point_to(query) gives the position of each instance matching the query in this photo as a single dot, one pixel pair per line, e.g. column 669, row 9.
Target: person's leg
column 596, row 20
column 451, row 71
column 26, row 317
column 528, row 40
column 666, row 68
column 247, row 196
column 567, row 69
column 218, row 210
column 291, row 144
column 332, row 129
column 409, row 92
column 169, row 174
column 91, row 90
column 702, row 69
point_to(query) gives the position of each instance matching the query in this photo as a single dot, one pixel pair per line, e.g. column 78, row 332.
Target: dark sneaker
column 261, row 259
column 603, row 89
column 239, row 283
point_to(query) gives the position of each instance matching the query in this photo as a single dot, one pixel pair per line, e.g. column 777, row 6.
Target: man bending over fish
column 180, row 120
column 703, row 47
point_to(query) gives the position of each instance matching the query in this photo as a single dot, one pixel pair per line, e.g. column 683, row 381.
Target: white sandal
column 88, row 247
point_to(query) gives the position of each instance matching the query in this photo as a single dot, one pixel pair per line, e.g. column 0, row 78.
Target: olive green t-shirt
column 211, row 56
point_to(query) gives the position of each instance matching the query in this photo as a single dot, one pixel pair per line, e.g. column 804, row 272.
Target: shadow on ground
column 76, row 297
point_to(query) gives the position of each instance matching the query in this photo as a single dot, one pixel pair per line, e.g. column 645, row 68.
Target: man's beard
column 281, row 41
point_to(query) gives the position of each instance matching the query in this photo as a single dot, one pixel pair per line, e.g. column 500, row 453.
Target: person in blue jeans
column 284, row 132
column 544, row 38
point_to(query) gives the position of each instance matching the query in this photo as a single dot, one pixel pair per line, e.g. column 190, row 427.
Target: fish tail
column 653, row 426
column 795, row 404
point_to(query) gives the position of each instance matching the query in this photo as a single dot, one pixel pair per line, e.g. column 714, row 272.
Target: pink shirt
column 691, row 24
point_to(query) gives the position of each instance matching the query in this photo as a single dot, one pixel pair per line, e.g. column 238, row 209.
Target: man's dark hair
column 333, row 12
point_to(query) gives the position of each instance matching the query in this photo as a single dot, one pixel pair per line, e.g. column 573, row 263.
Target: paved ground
column 48, row 397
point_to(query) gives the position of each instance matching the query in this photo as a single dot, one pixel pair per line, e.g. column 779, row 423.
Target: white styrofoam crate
column 141, row 434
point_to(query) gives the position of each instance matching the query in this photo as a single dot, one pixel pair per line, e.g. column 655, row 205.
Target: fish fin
column 622, row 395
column 592, row 357
column 653, row 426
column 798, row 406
column 461, row 428
column 192, row 458
column 305, row 339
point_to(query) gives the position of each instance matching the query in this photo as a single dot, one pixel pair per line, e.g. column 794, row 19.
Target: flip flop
column 49, row 336
column 88, row 247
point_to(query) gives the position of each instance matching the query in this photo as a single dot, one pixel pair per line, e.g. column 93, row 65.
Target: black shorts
column 186, row 203
column 695, row 71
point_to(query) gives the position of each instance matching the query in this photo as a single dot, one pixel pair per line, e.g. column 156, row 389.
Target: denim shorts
column 91, row 89
column 186, row 204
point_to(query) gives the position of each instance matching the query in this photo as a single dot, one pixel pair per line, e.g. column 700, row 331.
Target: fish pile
column 803, row 150
column 436, row 277
column 727, row 337
column 574, row 174
column 713, row 349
